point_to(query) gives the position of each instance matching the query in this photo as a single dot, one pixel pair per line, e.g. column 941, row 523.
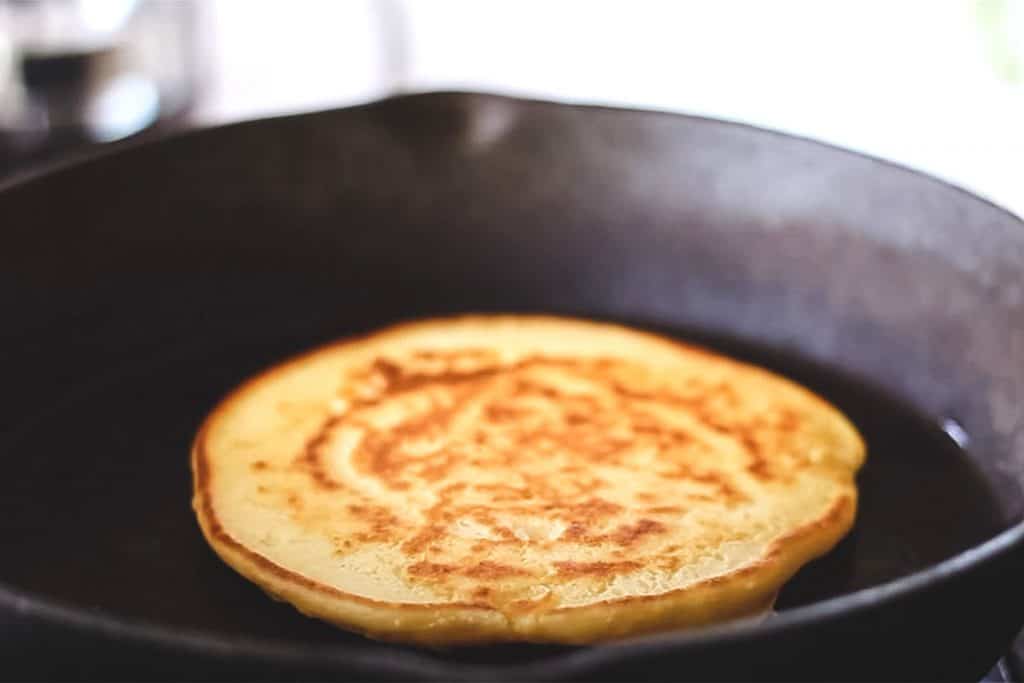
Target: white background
column 908, row 80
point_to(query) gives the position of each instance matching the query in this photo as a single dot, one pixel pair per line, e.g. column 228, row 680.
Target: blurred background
column 934, row 84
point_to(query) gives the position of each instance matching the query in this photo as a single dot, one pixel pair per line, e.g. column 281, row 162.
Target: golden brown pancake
column 491, row 478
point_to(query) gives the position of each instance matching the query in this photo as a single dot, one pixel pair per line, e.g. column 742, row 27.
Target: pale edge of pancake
column 746, row 591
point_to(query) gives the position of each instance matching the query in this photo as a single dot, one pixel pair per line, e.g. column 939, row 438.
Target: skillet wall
column 294, row 228
column 647, row 216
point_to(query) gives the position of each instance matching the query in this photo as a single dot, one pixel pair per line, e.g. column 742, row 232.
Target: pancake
column 522, row 478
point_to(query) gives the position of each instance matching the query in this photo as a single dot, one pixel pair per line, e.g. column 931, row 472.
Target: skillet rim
column 404, row 662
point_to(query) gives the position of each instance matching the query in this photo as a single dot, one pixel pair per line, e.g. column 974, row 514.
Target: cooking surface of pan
column 139, row 287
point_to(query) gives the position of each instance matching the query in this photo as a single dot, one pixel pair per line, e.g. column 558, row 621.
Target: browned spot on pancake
column 452, row 488
column 529, row 386
column 668, row 563
column 540, row 486
column 758, row 464
column 588, row 510
column 262, row 489
column 730, row 493
column 486, row 570
column 788, row 421
column 395, row 378
column 258, row 465
column 664, row 510
column 310, row 459
column 760, row 469
column 464, row 353
column 576, row 531
column 379, row 524
column 503, row 412
column 493, row 570
column 578, row 419
column 572, row 569
column 628, row 534
column 424, row 538
column 440, row 468
column 624, row 535
column 723, row 488
column 430, row 569
column 505, row 492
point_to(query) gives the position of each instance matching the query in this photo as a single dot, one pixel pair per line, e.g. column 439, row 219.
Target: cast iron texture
column 138, row 287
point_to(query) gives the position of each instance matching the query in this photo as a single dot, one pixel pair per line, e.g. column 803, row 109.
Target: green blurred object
column 1002, row 26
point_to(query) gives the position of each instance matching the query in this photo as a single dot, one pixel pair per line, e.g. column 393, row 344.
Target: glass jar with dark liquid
column 79, row 72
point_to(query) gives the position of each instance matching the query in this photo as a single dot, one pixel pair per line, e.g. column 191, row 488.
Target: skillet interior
column 140, row 287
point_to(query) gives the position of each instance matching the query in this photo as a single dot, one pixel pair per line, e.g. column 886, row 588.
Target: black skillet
column 138, row 287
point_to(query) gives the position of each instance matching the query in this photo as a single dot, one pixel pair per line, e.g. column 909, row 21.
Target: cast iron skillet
column 138, row 287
